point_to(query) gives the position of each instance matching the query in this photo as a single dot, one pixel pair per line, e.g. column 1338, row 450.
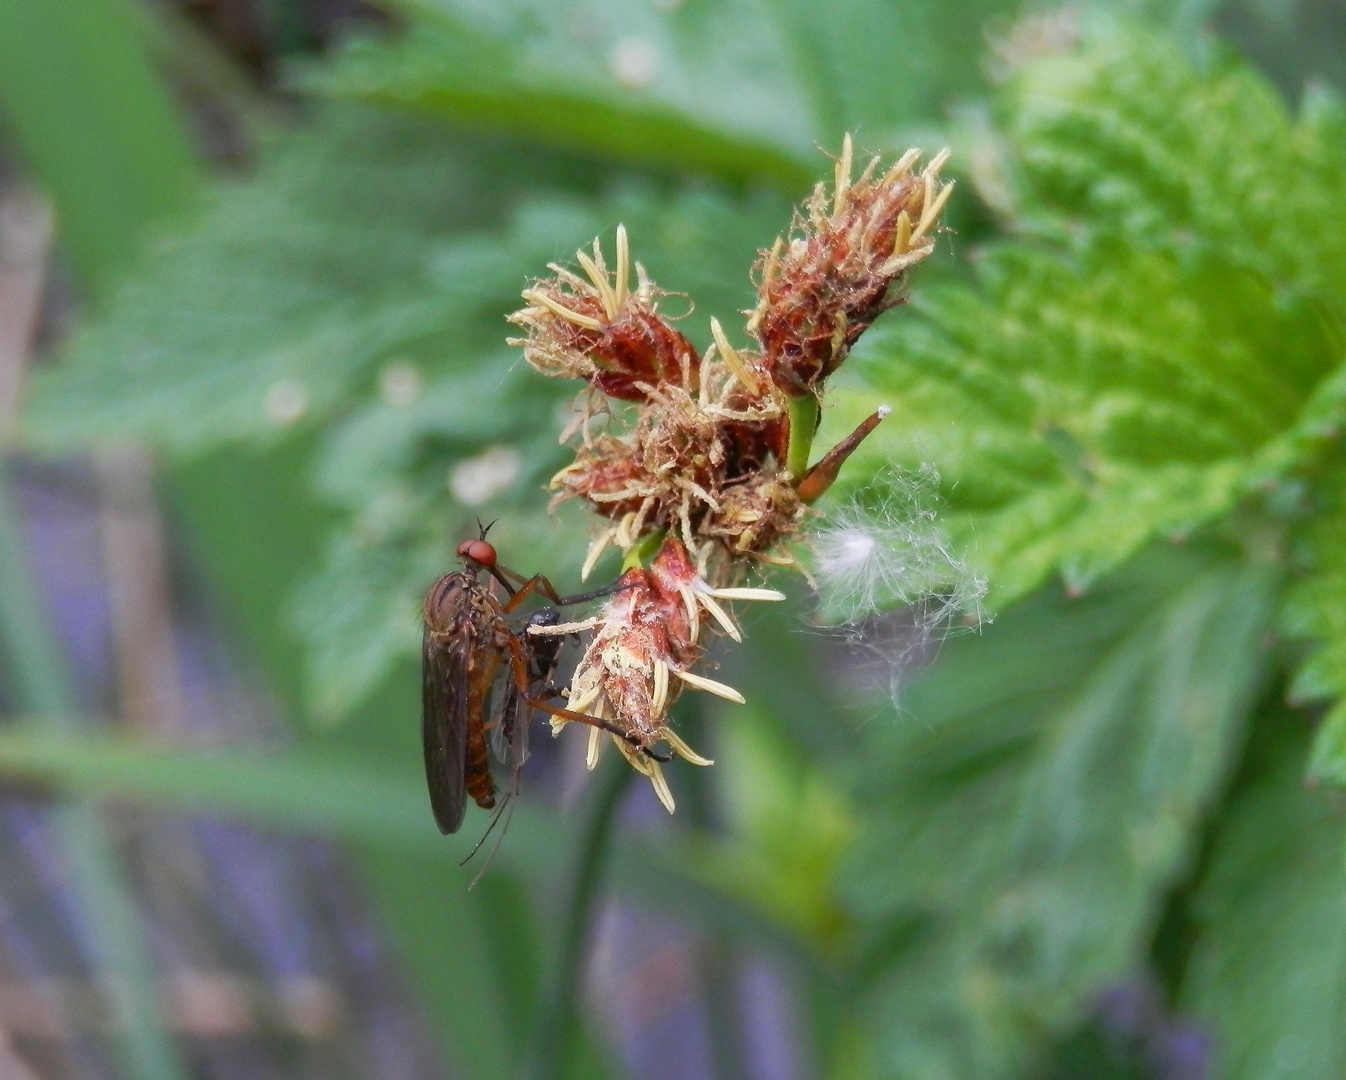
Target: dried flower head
column 685, row 464
column 843, row 265
column 708, row 471
column 646, row 641
column 595, row 328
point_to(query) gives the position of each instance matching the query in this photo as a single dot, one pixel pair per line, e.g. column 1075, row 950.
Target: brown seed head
column 690, row 448
column 596, row 328
column 646, row 641
column 843, row 266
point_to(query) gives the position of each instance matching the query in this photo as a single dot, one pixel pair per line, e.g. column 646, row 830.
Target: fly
column 480, row 675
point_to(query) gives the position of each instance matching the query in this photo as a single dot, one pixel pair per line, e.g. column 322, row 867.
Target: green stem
column 803, row 425
column 644, row 549
column 558, row 1018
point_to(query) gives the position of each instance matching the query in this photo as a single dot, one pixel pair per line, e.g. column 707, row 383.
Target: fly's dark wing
column 494, row 717
column 509, row 738
column 444, row 728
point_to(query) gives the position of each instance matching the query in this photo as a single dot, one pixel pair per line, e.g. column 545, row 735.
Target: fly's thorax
column 447, row 601
column 458, row 601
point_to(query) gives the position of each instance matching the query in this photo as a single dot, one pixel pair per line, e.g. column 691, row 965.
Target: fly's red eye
column 479, row 551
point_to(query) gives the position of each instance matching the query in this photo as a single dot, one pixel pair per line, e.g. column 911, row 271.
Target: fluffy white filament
column 882, row 552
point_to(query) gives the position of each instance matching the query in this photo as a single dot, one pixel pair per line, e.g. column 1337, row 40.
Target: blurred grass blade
column 311, row 792
column 95, row 123
column 294, row 792
column 124, row 966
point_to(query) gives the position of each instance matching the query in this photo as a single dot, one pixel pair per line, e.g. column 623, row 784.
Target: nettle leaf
column 737, row 88
column 1268, row 966
column 365, row 240
column 1160, row 347
column 286, row 290
column 1314, row 613
column 1040, row 794
column 1130, row 140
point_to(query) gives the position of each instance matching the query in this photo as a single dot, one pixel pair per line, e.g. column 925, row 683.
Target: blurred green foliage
column 1127, row 374
column 112, row 169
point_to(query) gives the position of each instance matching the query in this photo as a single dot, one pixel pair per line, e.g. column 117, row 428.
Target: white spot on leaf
column 634, row 62
column 400, row 383
column 285, row 402
column 477, row 479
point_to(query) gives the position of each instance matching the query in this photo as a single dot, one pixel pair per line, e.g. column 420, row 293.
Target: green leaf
column 880, row 69
column 1268, row 968
column 1313, row 614
column 1161, row 348
column 96, row 125
column 736, row 88
column 707, row 89
column 1037, row 797
column 1140, row 144
column 292, row 284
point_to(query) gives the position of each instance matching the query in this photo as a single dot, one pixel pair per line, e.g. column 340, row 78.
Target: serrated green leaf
column 1038, row 795
column 1163, row 347
column 1268, row 968
column 1136, row 141
column 301, row 279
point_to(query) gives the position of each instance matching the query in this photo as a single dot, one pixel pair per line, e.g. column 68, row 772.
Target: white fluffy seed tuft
column 877, row 553
column 890, row 585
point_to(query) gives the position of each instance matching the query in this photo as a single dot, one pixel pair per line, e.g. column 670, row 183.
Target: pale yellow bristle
column 682, row 749
column 559, row 309
column 700, row 682
column 720, row 616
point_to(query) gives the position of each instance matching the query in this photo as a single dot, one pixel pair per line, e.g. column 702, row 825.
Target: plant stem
column 717, row 958
column 803, row 425
column 644, row 549
column 558, row 1018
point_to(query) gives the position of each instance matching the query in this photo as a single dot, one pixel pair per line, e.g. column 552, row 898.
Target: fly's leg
column 520, row 669
column 630, row 738
column 539, row 583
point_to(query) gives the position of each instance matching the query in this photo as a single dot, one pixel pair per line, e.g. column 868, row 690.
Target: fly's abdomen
column 479, row 781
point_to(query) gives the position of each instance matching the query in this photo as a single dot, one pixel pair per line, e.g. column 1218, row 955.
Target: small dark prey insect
column 480, row 674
